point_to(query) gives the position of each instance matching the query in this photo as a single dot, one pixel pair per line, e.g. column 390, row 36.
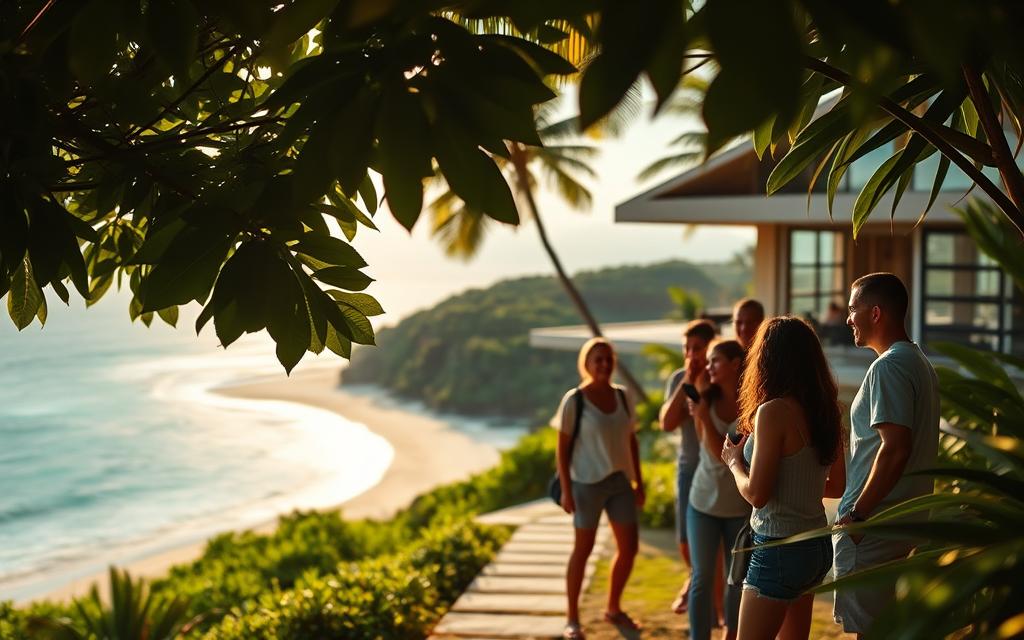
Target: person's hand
column 733, row 453
column 641, row 495
column 846, row 520
column 568, row 504
column 695, row 369
column 699, row 409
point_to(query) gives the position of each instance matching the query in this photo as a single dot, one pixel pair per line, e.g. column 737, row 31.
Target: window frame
column 1003, row 333
column 820, row 296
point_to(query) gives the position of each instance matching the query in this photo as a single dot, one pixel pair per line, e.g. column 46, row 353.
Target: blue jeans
column 706, row 534
column 786, row 572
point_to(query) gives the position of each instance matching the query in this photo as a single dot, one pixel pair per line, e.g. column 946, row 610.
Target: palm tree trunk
column 563, row 277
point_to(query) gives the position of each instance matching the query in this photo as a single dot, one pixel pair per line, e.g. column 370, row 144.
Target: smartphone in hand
column 691, row 391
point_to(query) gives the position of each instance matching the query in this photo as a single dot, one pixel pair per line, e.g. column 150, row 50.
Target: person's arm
column 890, row 461
column 675, row 409
column 563, row 455
column 758, row 485
column 706, row 431
column 835, row 484
column 563, row 460
column 634, row 452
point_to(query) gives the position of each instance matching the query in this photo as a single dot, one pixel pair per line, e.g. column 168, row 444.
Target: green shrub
column 399, row 596
column 660, row 483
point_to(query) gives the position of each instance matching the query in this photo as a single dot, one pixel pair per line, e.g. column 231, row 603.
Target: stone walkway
column 521, row 593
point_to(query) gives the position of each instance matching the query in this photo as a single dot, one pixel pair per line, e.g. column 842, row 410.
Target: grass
column 657, row 577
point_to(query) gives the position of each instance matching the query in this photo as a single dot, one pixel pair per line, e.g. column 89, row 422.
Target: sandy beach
column 427, row 452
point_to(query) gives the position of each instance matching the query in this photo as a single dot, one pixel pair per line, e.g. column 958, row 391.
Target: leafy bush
column 400, row 596
column 660, row 482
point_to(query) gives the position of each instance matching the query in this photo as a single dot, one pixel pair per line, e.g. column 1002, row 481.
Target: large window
column 965, row 295
column 817, row 277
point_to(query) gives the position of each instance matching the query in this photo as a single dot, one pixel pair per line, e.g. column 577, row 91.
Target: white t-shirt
column 603, row 444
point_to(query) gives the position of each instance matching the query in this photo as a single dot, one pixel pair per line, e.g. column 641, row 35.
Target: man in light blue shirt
column 894, row 431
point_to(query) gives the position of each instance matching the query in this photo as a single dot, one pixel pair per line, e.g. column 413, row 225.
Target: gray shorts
column 856, row 608
column 614, row 495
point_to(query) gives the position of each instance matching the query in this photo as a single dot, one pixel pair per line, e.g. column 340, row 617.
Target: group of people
column 762, row 443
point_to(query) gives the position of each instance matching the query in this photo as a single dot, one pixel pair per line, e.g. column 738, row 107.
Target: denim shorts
column 614, row 495
column 786, row 572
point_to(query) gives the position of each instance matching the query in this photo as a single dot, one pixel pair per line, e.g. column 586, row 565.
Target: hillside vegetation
column 470, row 353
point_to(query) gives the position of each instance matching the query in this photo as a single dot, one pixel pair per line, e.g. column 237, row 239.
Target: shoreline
column 428, row 452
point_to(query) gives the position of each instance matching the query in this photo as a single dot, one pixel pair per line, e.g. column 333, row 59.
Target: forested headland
column 470, row 353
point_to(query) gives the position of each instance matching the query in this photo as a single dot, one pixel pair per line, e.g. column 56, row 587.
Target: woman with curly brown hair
column 790, row 457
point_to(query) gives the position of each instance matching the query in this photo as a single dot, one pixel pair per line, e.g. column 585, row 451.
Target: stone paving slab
column 509, row 557
column 531, row 585
column 471, row 602
column 501, row 626
column 510, row 570
column 522, row 513
column 548, row 548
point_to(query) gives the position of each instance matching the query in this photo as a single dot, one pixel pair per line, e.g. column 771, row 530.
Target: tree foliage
column 194, row 152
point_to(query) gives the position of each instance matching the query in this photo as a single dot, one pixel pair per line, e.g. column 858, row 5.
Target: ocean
column 114, row 447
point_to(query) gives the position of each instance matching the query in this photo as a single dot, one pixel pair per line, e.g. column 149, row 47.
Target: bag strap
column 578, row 399
column 622, row 397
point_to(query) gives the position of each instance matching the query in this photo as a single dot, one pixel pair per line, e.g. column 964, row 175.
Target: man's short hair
column 884, row 290
column 703, row 329
column 749, row 304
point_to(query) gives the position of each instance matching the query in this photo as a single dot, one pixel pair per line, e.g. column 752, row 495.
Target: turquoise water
column 112, row 446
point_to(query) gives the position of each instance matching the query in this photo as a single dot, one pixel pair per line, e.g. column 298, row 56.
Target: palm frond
column 566, row 163
column 459, row 229
column 575, row 194
column 685, row 159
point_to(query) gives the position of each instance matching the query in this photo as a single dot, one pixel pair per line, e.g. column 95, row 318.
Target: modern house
column 804, row 260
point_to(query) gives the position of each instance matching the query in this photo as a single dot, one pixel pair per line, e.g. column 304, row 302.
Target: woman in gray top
column 790, row 457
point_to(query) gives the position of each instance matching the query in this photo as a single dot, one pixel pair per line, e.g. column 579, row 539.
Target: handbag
column 741, row 550
column 555, row 484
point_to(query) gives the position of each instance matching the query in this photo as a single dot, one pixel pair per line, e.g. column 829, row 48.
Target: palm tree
column 461, row 230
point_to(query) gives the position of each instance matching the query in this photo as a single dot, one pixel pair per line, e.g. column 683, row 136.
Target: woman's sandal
column 622, row 621
column 573, row 631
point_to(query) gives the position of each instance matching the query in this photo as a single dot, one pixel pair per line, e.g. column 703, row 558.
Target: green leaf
column 295, row 20
column 872, row 192
column 666, row 65
column 547, row 62
column 403, row 152
column 365, row 304
column 750, row 89
column 352, row 140
column 172, row 29
column 187, row 270
column 344, row 277
column 472, row 174
column 762, row 137
column 93, row 44
column 368, row 194
column 359, row 326
column 330, row 250
column 169, row 315
column 24, row 297
column 313, row 174
column 157, row 241
column 287, row 316
column 979, row 363
column 815, row 139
